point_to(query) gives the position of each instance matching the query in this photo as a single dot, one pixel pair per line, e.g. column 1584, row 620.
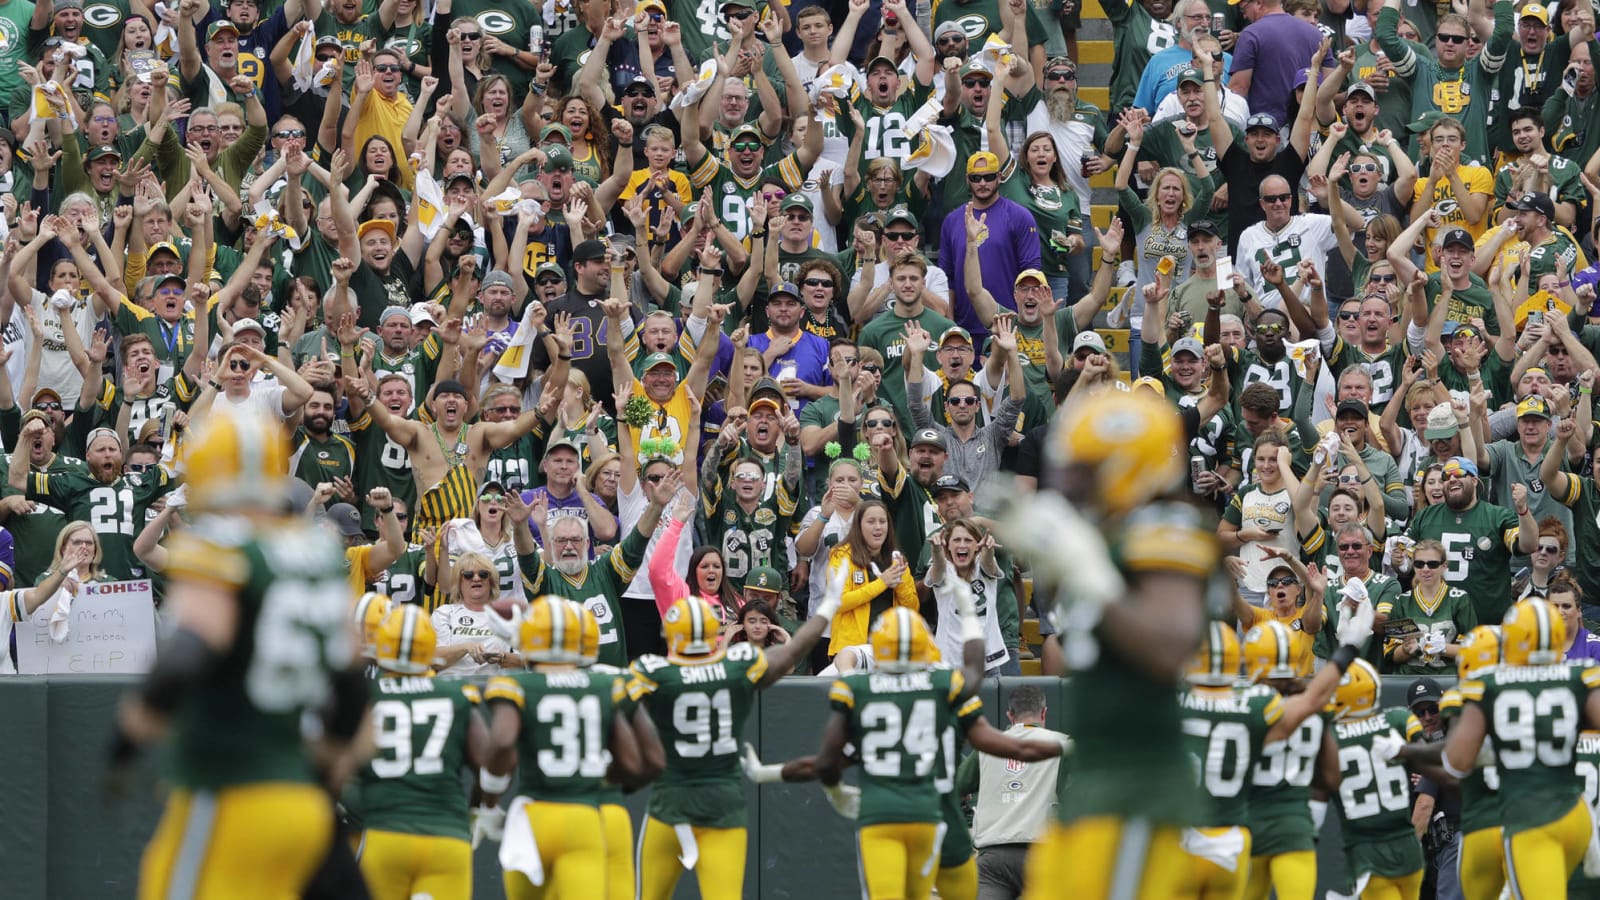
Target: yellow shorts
column 898, row 860
column 618, row 828
column 243, row 843
column 1383, row 887
column 1481, row 867
column 1103, row 857
column 1292, row 875
column 398, row 866
column 1211, row 880
column 1540, row 860
column 719, row 867
column 572, row 849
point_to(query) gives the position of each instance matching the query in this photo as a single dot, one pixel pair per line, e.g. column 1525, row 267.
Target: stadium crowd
column 623, row 303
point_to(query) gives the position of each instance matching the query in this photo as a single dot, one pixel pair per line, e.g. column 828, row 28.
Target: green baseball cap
column 556, row 158
column 764, row 578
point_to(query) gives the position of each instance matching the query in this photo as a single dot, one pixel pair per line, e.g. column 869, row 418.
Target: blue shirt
column 1013, row 245
column 808, row 358
column 1161, row 76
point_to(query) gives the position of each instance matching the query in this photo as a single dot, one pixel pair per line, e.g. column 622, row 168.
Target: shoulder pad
column 471, row 692
column 650, row 662
column 744, row 651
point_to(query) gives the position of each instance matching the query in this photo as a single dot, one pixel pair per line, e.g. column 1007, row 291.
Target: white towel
column 689, row 848
column 697, row 88
column 1222, row 849
column 1591, row 856
column 61, row 617
column 430, row 204
column 519, row 849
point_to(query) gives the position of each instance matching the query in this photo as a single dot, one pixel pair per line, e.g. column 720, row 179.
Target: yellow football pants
column 250, row 842
column 898, row 859
column 1404, row 887
column 399, row 866
column 719, row 868
column 1481, row 867
column 572, row 849
column 1211, row 881
column 1292, row 875
column 1540, row 860
column 1103, row 857
column 619, row 851
column 958, row 882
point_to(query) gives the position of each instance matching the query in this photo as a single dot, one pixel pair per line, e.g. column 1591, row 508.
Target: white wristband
column 494, row 784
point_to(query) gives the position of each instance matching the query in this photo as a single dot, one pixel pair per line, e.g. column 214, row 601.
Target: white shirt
column 1234, row 108
column 1305, row 236
column 264, row 399
column 631, row 506
column 935, row 282
column 56, row 370
column 455, row 624
column 463, row 536
column 985, row 594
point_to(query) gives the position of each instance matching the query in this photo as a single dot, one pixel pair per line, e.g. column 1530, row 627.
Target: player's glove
column 1066, row 549
column 845, row 799
column 1434, row 644
column 487, row 822
column 833, row 596
column 1485, row 754
column 1387, row 746
column 757, row 771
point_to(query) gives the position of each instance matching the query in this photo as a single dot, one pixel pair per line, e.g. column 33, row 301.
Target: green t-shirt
column 413, row 783
column 374, row 291
column 699, row 708
column 316, row 461
column 511, row 22
column 566, row 726
column 1451, row 91
column 1478, row 545
column 886, row 334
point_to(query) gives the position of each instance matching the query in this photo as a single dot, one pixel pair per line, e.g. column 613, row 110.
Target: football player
column 1381, row 850
column 699, row 696
column 564, row 725
column 1531, row 707
column 1128, row 577
column 410, row 795
column 368, row 615
column 259, row 606
column 1225, row 729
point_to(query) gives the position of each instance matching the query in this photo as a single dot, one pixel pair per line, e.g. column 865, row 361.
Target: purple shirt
column 571, row 505
column 1013, row 245
column 1274, row 49
column 1585, row 646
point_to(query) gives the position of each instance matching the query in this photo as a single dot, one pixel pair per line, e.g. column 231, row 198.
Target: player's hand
column 844, row 798
column 757, row 771
column 487, row 822
column 1387, row 746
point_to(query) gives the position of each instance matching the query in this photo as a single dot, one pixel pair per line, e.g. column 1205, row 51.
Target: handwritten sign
column 111, row 629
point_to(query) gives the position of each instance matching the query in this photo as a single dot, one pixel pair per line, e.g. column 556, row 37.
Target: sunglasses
column 740, row 14
column 1450, row 38
column 548, row 280
column 983, row 179
column 871, row 423
column 1276, row 198
column 1363, row 167
column 239, row 365
column 900, row 235
column 1352, row 546
column 637, row 92
column 1426, row 709
column 477, row 574
column 1384, row 279
column 386, row 67
column 470, row 35
column 818, row 282
column 747, row 477
column 745, row 146
column 578, row 539
column 402, row 516
column 1349, row 479
column 48, row 406
column 875, row 369
column 505, row 410
column 1456, row 475
column 289, row 133
column 655, row 17
column 1549, row 548
column 1349, row 316
column 961, row 401
column 951, row 39
column 1427, row 563
column 1282, row 582
column 1062, row 75
column 1269, row 330
column 656, row 478
column 138, row 468
column 491, row 497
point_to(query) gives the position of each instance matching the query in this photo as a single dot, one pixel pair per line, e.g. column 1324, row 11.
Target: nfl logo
column 1015, row 765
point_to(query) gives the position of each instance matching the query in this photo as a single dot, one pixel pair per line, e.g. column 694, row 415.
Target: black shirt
column 1244, row 176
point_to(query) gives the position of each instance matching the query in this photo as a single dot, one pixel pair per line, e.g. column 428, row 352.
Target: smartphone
column 1536, row 317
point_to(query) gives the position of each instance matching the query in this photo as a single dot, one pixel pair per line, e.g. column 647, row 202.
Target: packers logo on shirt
column 974, row 26
column 496, row 22
column 765, row 516
column 101, row 15
column 1451, row 97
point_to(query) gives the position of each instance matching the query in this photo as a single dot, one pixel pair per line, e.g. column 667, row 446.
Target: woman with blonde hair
column 76, row 562
column 468, row 644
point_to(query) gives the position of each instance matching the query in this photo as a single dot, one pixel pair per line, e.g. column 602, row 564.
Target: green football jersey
column 610, row 792
column 413, row 783
column 749, row 540
column 1375, row 795
column 896, row 722
column 516, row 465
column 598, row 587
column 1222, row 733
column 956, row 848
column 113, row 510
column 700, row 709
column 1534, row 714
column 1583, row 498
column 34, row 534
column 732, row 194
column 380, row 462
column 1449, row 615
column 1139, row 36
column 1478, row 545
column 1280, row 790
column 885, row 125
column 566, row 725
column 1480, row 801
column 418, row 364
column 1385, row 368
column 1581, row 886
column 242, row 724
column 403, row 580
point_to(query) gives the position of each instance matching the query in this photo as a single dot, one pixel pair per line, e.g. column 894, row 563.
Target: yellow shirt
column 676, row 182
column 671, row 419
column 356, row 560
column 1478, row 180
column 387, row 119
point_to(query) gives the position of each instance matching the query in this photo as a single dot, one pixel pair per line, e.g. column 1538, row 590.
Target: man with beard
column 973, row 446
column 1281, row 241
column 1361, row 134
column 448, row 455
column 1160, row 78
column 1205, row 248
column 110, row 501
column 1479, row 537
column 61, row 24
column 797, row 358
column 735, row 180
column 639, row 103
column 321, row 456
column 1243, row 166
column 597, row 585
column 380, row 461
column 1532, row 70
column 1450, row 82
column 1079, row 130
column 969, row 90
column 1530, row 164
column 1141, row 30
column 1010, row 243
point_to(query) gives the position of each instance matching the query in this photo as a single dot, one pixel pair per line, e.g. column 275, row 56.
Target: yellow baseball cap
column 982, row 163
